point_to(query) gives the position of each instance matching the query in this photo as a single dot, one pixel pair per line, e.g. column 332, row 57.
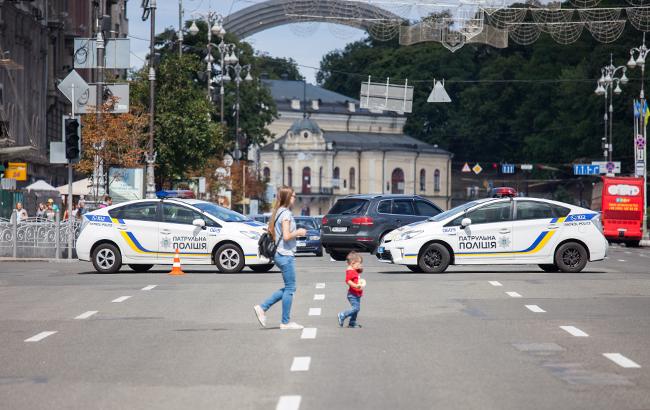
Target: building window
column 353, row 178
column 306, row 180
column 436, row 180
column 267, row 174
column 423, row 180
column 336, row 178
column 397, row 181
column 289, row 176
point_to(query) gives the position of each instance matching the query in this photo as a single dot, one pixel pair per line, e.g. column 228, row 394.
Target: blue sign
column 586, row 169
column 508, row 168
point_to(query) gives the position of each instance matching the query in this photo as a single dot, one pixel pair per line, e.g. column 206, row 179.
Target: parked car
column 310, row 243
column 359, row 222
column 263, row 218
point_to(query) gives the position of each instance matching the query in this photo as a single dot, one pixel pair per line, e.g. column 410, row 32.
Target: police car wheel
column 140, row 268
column 549, row 267
column 571, row 257
column 261, row 268
column 414, row 268
column 434, row 259
column 107, row 258
column 229, row 258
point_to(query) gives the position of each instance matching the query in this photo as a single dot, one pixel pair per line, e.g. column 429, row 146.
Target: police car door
column 535, row 231
column 178, row 232
column 137, row 227
column 488, row 238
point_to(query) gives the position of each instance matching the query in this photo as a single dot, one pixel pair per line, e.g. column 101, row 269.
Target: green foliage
column 504, row 108
column 186, row 133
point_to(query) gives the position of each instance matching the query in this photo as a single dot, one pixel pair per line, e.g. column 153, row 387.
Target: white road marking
column 300, row 364
column 574, row 331
column 288, row 403
column 40, row 336
column 314, row 311
column 621, row 260
column 120, row 299
column 309, row 333
column 86, row 315
column 535, row 308
column 628, row 253
column 622, row 361
column 320, row 286
column 319, row 297
column 513, row 294
column 495, row 283
column 149, row 287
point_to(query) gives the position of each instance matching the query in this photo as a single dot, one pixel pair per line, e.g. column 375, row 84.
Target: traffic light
column 72, row 139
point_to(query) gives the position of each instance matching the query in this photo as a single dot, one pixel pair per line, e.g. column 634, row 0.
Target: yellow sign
column 17, row 171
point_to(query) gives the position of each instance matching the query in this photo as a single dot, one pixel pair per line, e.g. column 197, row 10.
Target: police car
column 502, row 230
column 144, row 233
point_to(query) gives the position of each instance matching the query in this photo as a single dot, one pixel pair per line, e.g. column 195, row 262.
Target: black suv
column 358, row 222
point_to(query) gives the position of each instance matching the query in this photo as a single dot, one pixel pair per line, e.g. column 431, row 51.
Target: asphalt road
column 458, row 340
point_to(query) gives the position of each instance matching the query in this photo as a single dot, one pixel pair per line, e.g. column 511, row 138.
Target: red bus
column 620, row 200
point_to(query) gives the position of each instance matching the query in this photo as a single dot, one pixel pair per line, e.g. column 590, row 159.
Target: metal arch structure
column 272, row 13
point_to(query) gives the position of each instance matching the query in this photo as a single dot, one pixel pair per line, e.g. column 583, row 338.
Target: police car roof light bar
column 504, row 192
column 180, row 193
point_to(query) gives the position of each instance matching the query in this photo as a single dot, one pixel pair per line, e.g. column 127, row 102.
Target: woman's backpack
column 266, row 245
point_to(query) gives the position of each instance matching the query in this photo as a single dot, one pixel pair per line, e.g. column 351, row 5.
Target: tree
column 121, row 136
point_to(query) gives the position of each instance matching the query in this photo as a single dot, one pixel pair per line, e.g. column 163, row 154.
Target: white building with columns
column 331, row 148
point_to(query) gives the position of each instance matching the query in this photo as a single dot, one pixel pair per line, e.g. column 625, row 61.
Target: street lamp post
column 238, row 70
column 149, row 7
column 610, row 84
column 640, row 129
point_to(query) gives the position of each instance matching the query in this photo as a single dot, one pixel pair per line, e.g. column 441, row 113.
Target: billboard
column 126, row 184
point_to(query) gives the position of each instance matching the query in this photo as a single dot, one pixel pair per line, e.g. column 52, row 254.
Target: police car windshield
column 224, row 214
column 453, row 211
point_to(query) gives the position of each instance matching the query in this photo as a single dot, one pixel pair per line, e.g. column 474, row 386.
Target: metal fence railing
column 37, row 237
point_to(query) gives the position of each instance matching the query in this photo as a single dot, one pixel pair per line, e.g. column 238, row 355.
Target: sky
column 305, row 43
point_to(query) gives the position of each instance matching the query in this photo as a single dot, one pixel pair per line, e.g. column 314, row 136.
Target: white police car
column 554, row 235
column 147, row 232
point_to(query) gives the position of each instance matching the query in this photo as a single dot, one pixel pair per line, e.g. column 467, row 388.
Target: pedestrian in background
column 50, row 213
column 41, row 212
column 80, row 210
column 21, row 213
column 108, row 201
column 282, row 228
column 355, row 290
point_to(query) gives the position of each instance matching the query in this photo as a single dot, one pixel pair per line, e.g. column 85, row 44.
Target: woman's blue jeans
column 288, row 267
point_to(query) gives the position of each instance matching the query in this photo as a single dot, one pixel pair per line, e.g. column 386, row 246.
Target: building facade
column 37, row 47
column 329, row 148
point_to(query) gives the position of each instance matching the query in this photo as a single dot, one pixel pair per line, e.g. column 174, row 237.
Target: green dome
column 305, row 124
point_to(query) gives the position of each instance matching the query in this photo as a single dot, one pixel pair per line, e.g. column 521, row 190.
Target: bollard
column 57, row 235
column 14, row 224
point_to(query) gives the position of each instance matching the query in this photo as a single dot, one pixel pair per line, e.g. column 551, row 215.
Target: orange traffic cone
column 176, row 267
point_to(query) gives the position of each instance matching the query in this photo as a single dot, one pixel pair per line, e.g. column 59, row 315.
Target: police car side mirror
column 199, row 222
column 465, row 222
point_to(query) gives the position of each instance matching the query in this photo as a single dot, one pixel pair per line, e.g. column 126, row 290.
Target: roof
column 291, row 90
column 305, row 124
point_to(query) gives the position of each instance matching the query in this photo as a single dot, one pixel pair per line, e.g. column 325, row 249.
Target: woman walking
column 282, row 227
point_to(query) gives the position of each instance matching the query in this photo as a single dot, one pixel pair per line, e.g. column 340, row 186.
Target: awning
column 81, row 187
column 40, row 185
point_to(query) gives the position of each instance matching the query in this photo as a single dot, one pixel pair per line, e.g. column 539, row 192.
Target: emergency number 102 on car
column 144, row 233
column 497, row 231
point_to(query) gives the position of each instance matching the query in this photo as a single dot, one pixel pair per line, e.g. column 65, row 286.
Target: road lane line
column 120, row 299
column 40, row 336
column 309, row 333
column 86, row 315
column 513, row 294
column 319, row 297
column 314, row 311
column 535, row 308
column 574, row 331
column 622, row 361
column 628, row 253
column 300, row 364
column 149, row 287
column 495, row 283
column 288, row 403
column 320, row 286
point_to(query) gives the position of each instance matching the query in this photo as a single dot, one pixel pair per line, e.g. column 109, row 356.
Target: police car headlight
column 84, row 223
column 251, row 234
column 314, row 238
column 408, row 235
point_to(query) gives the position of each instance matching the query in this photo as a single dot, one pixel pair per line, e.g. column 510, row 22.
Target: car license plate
column 339, row 229
column 302, row 244
column 380, row 249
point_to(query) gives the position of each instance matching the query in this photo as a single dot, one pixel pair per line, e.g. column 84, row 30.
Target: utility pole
column 150, row 10
column 180, row 28
column 99, row 101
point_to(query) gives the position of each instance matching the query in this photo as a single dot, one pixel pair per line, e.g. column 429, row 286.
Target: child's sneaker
column 261, row 317
column 341, row 318
column 355, row 325
column 290, row 326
